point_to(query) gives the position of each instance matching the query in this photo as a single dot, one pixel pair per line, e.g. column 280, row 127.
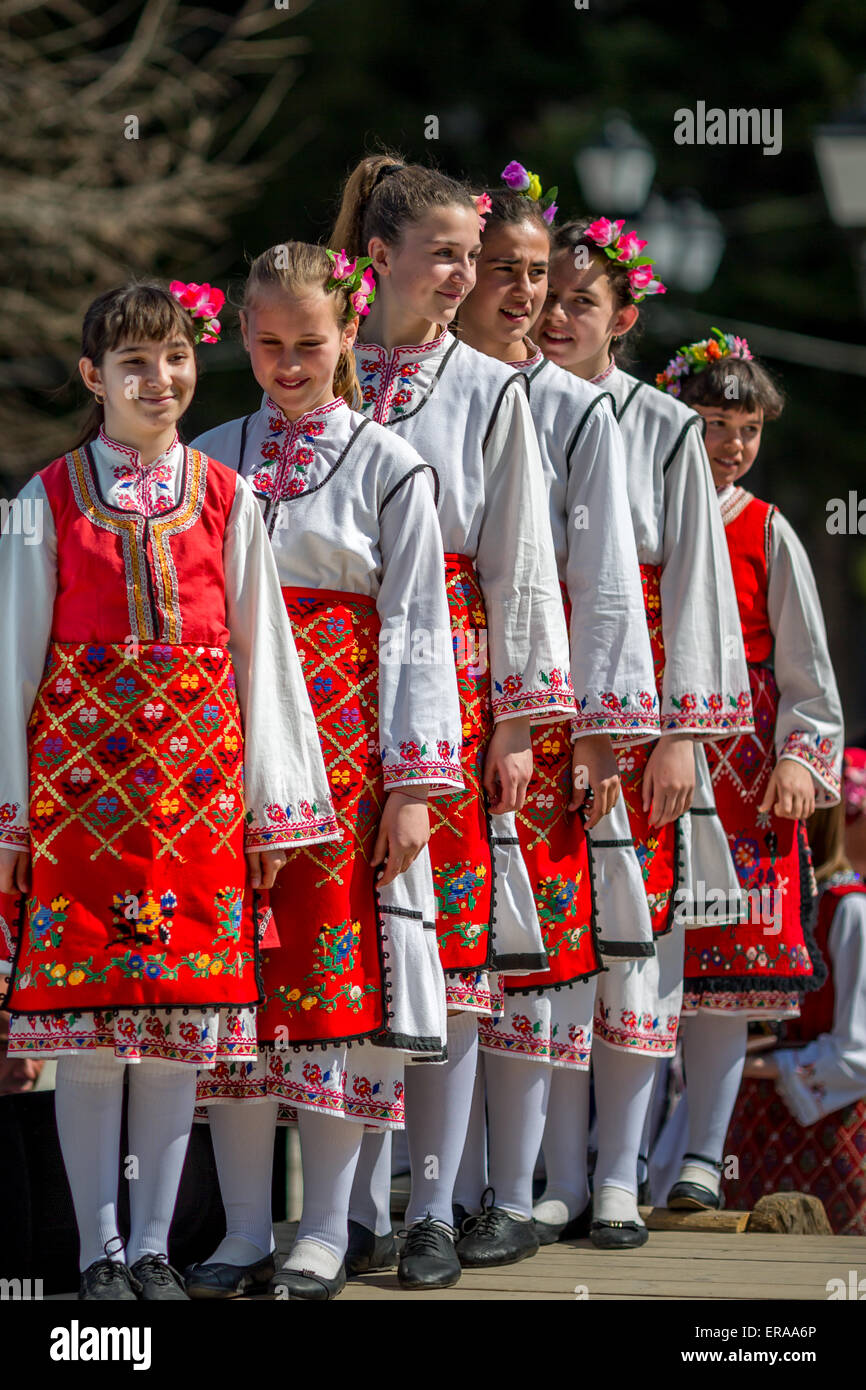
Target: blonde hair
column 825, row 830
column 291, row 268
column 382, row 195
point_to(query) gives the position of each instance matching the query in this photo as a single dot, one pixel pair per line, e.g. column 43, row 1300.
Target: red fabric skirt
column 771, row 856
column 460, row 841
column 136, row 815
column 324, row 982
column 776, row 1154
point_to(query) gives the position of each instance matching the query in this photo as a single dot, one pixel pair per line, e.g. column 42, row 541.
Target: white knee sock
column 438, row 1102
column 565, row 1147
column 243, row 1145
column 517, row 1095
column 330, row 1147
column 161, row 1106
column 88, row 1103
column 623, row 1087
column 370, row 1205
column 472, row 1173
column 714, row 1049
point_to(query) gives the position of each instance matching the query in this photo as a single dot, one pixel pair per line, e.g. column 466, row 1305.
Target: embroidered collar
column 535, row 358
column 282, row 422
column 396, row 384
column 735, row 502
column 123, row 454
column 602, row 376
column 290, row 457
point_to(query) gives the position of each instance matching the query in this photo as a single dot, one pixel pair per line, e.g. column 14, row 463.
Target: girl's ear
column 245, row 329
column 625, row 320
column 380, row 254
column 92, row 377
column 350, row 333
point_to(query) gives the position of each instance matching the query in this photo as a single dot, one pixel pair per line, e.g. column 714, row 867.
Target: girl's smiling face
column 510, row 288
column 294, row 346
column 580, row 316
column 432, row 268
column 146, row 388
column 732, row 438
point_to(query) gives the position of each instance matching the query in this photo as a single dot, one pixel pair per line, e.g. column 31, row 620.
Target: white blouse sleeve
column 809, row 720
column 706, row 682
column 28, row 583
column 419, row 712
column 611, row 658
column 527, row 640
column 288, row 801
column 830, row 1072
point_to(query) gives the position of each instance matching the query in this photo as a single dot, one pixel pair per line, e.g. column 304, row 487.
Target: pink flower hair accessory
column 625, row 248
column 484, row 205
column 693, row 358
column 354, row 276
column 854, row 783
column 521, row 180
column 201, row 302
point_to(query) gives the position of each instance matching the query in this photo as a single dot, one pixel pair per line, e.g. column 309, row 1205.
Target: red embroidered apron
column 555, row 850
column 460, row 844
column 136, row 760
column 656, row 848
column 771, row 854
column 325, row 981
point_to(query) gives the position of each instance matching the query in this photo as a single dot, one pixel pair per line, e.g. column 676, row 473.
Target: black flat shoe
column 108, row 1281
column 693, row 1196
column 159, row 1283
column 575, row 1229
column 495, row 1238
column 460, row 1214
column 229, row 1281
column 428, row 1259
column 368, row 1252
column 303, row 1283
column 618, row 1235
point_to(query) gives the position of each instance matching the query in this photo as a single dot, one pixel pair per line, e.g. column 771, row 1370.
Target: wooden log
column 718, row 1222
column 789, row 1213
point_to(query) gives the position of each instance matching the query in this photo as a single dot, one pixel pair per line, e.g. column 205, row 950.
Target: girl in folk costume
column 351, row 514
column 546, row 1025
column 160, row 742
column 766, row 783
column 468, row 416
column 800, row 1119
column 598, row 278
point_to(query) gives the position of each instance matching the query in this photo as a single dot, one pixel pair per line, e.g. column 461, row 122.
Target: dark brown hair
column 383, row 195
column 140, row 311
column 293, row 267
column 826, row 834
column 510, row 209
column 572, row 235
column 754, row 387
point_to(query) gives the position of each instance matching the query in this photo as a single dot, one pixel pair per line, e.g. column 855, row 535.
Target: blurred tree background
column 250, row 116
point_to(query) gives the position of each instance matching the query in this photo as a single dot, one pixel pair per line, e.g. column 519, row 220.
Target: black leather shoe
column 575, row 1229
column 303, row 1283
column 229, row 1281
column 693, row 1196
column 495, row 1238
column 618, row 1235
column 108, row 1281
column 368, row 1252
column 460, row 1214
column 159, row 1283
column 428, row 1259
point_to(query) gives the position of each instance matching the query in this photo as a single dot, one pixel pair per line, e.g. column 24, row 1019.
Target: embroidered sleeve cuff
column 546, row 701
column 289, row 827
column 709, row 716
column 12, row 835
column 633, row 715
column 820, row 756
column 437, row 776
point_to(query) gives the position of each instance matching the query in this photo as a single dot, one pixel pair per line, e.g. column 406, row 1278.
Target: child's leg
column 438, row 1102
column 370, row 1204
column 623, row 1086
column 243, row 1145
column 161, row 1107
column 714, row 1050
column 88, row 1104
column 517, row 1097
column 330, row 1147
column 472, row 1173
column 565, row 1148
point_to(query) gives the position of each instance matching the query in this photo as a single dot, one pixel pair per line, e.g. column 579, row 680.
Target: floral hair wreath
column 201, row 302
column 354, row 276
column 696, row 357
column 625, row 248
column 521, row 180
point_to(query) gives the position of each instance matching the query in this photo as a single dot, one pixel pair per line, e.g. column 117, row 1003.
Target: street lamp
column 616, row 171
column 840, row 153
column 685, row 238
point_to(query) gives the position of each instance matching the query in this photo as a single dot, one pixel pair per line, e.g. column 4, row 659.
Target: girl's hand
column 508, row 766
column 790, row 791
column 761, row 1069
column 594, row 761
column 669, row 779
column 14, row 871
column 264, row 865
column 403, row 832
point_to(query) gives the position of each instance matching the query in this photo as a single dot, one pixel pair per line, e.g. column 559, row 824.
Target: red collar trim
column 603, row 376
column 132, row 455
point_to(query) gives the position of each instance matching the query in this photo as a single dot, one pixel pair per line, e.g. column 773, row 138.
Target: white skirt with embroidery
column 475, row 992
column 360, row 1082
column 638, row 1002
column 200, row 1037
column 552, row 1026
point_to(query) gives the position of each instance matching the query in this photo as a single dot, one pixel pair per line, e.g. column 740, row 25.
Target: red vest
column 748, row 535
column 122, row 575
column 816, row 1010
